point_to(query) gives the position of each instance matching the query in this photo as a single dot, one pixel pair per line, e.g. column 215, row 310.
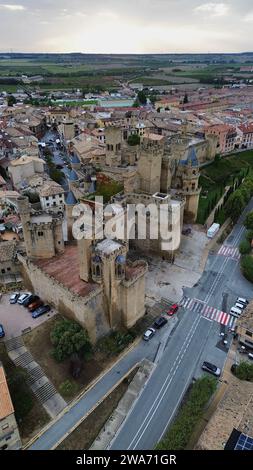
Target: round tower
column 70, row 202
column 24, row 212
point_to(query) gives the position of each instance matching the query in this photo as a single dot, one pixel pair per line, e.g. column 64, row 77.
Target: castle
column 91, row 282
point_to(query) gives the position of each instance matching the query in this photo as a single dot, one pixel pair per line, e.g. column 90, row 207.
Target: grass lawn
column 30, row 414
column 85, row 434
column 223, row 170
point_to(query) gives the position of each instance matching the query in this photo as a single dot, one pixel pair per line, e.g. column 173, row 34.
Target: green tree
column 142, row 97
column 68, row 337
column 235, row 205
column 245, row 247
column 185, row 100
column 11, row 100
column 247, row 267
column 248, row 223
column 136, row 103
column 249, row 235
column 133, row 140
column 56, row 175
column 153, row 99
column 248, row 183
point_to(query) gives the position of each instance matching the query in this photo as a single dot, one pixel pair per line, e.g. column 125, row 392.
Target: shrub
column 68, row 388
column 244, row 371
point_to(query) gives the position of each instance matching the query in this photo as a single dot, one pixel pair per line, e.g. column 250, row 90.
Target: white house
column 51, row 196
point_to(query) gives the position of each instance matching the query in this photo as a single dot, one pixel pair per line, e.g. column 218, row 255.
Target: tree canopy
column 249, row 221
column 133, row 140
column 68, row 337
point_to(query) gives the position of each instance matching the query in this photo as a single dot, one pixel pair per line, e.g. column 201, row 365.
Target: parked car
column 186, row 231
column 2, row 332
column 41, row 311
column 242, row 301
column 208, row 367
column 32, row 298
column 148, row 334
column 235, row 311
column 23, row 297
column 14, row 298
column 240, row 306
column 160, row 322
column 34, row 305
column 173, row 309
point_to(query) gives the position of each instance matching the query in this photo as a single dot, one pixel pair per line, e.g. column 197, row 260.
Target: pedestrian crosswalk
column 212, row 313
column 229, row 251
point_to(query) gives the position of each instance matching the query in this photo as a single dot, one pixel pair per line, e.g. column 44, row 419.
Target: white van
column 236, row 312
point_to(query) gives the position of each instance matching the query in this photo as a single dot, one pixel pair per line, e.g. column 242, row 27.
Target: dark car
column 233, row 368
column 34, row 305
column 211, row 368
column 2, row 332
column 32, row 298
column 160, row 322
column 41, row 310
column 186, row 231
column 14, row 298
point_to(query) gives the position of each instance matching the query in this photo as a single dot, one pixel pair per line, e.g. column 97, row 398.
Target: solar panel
column 244, row 443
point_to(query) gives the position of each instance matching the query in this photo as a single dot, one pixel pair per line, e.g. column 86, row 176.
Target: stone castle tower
column 150, row 164
column 42, row 231
column 186, row 182
column 113, row 139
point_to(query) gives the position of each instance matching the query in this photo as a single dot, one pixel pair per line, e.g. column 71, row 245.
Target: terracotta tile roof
column 6, row 406
column 246, row 128
column 65, row 269
column 50, row 188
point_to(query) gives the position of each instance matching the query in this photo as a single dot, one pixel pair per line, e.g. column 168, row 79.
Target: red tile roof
column 65, row 269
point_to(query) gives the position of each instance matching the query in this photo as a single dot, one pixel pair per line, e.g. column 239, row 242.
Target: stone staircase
column 42, row 388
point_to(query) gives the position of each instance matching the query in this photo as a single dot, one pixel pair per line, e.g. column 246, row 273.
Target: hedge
column 191, row 412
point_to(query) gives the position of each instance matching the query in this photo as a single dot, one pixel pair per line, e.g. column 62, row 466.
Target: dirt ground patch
column 39, row 343
column 37, row 417
column 85, row 434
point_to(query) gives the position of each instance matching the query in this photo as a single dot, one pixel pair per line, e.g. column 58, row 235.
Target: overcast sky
column 125, row 26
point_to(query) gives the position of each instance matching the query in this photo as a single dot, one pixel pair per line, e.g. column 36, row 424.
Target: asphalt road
column 195, row 339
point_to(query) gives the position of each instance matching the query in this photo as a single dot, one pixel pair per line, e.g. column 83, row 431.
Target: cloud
column 249, row 17
column 5, row 6
column 214, row 9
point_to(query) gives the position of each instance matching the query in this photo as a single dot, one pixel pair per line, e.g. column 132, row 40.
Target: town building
column 9, row 433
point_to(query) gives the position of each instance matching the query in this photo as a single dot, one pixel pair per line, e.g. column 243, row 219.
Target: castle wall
column 88, row 311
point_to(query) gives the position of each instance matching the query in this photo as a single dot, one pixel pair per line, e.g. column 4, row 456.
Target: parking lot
column 16, row 318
